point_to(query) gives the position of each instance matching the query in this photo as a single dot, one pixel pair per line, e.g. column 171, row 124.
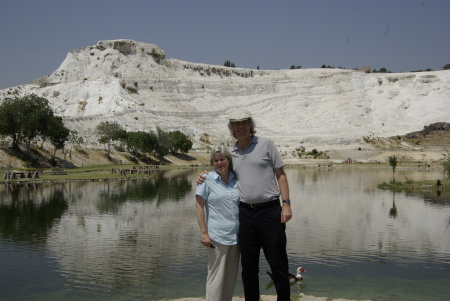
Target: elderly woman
column 218, row 217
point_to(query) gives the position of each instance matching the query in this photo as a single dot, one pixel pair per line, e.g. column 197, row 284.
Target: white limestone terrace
column 134, row 84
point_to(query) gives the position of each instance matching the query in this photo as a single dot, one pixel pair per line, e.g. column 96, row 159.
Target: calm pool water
column 139, row 239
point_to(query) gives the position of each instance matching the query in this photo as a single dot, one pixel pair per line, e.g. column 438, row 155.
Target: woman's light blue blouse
column 221, row 207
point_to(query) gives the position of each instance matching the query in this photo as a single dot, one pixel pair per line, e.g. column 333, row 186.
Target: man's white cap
column 239, row 115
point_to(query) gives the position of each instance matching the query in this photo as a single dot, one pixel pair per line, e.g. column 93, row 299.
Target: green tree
column 164, row 144
column 446, row 163
column 24, row 118
column 446, row 67
column 108, row 132
column 39, row 116
column 393, row 163
column 75, row 139
column 10, row 119
column 229, row 63
column 180, row 142
column 141, row 142
column 133, row 142
column 57, row 133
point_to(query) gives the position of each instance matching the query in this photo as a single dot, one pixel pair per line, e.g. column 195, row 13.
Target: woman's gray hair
column 252, row 128
column 223, row 151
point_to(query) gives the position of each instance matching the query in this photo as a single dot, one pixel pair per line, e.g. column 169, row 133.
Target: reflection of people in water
column 218, row 217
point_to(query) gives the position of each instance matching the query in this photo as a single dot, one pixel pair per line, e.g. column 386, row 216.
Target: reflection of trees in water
column 158, row 187
column 174, row 188
column 438, row 197
column 28, row 215
column 434, row 196
column 393, row 211
column 115, row 235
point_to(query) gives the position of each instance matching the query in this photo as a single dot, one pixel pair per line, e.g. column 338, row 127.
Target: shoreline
column 94, row 166
column 302, row 297
column 102, row 173
column 97, row 157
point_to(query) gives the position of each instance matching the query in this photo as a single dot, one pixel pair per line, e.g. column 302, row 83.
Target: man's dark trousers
column 262, row 228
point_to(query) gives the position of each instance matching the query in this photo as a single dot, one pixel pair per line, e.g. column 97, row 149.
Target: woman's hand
column 206, row 241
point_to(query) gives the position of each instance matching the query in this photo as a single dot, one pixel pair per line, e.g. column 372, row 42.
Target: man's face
column 241, row 128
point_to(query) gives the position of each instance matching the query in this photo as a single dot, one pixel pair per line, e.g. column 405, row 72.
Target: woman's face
column 221, row 164
column 241, row 129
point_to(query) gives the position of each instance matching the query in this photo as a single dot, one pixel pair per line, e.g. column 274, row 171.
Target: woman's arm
column 201, row 218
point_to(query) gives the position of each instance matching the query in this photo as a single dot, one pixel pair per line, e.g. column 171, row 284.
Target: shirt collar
column 253, row 141
column 216, row 176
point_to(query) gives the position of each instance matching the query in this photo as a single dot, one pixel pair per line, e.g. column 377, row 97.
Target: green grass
column 410, row 185
column 86, row 173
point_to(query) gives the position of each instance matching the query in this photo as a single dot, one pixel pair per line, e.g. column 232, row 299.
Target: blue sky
column 400, row 35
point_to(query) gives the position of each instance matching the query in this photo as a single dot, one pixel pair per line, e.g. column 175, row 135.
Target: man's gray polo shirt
column 255, row 170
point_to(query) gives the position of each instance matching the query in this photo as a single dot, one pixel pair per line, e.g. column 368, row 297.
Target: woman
column 218, row 217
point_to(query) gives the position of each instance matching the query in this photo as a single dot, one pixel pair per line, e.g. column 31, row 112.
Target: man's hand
column 201, row 177
column 286, row 213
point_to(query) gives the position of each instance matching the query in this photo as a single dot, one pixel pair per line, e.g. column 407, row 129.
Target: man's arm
column 286, row 212
column 201, row 177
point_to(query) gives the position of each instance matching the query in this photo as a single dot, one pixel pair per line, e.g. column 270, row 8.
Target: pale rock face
column 134, row 84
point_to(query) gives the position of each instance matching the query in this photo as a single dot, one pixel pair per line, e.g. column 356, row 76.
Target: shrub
column 156, row 55
column 132, row 90
column 132, row 159
column 82, row 105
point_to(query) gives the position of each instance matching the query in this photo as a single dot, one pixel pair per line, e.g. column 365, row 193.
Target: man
column 261, row 181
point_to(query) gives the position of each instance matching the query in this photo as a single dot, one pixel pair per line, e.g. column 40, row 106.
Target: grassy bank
column 90, row 173
column 112, row 172
column 425, row 186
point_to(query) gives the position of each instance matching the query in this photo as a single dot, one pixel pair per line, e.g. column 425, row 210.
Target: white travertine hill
column 134, row 84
